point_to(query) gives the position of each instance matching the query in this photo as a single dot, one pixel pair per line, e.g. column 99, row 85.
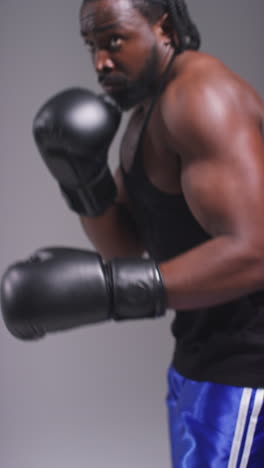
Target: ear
column 165, row 30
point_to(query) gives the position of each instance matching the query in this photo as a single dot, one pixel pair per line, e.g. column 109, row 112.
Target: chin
column 126, row 102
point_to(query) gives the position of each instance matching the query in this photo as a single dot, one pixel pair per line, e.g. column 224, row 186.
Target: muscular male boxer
column 189, row 192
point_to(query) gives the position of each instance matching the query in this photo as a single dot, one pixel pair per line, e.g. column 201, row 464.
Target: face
column 124, row 50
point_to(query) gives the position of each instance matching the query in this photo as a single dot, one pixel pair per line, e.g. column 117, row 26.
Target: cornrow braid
column 188, row 34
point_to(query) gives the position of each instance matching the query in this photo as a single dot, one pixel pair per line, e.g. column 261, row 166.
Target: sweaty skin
column 204, row 139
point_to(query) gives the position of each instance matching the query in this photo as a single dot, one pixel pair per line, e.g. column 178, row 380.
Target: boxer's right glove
column 62, row 288
column 73, row 132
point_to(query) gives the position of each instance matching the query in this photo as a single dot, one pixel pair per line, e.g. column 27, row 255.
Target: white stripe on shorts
column 252, row 427
column 240, row 427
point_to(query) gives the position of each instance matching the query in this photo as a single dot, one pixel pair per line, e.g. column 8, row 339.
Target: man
column 189, row 193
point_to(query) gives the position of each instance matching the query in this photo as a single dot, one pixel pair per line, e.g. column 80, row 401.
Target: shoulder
column 200, row 78
column 205, row 100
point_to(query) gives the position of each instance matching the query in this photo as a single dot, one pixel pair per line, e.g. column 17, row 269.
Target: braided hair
column 189, row 36
column 187, row 32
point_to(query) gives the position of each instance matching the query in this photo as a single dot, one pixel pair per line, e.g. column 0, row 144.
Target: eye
column 115, row 43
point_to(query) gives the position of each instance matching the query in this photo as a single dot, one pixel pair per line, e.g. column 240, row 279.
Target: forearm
column 113, row 233
column 218, row 271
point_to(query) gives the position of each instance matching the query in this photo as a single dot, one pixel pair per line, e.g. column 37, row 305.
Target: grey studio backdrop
column 92, row 397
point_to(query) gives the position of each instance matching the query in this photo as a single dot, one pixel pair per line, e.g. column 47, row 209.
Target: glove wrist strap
column 91, row 199
column 138, row 290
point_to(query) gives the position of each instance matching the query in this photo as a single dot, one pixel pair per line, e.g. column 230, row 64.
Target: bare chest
column 159, row 159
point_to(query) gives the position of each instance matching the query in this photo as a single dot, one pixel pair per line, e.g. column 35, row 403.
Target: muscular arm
column 113, row 233
column 223, row 181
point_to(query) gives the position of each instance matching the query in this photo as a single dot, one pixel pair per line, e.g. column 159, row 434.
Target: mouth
column 111, row 85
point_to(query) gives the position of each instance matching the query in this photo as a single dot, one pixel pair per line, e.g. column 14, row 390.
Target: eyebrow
column 99, row 29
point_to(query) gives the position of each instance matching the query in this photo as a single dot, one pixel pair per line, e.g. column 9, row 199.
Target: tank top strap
column 137, row 161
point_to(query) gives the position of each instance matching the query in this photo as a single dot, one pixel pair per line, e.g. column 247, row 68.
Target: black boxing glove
column 73, row 131
column 61, row 288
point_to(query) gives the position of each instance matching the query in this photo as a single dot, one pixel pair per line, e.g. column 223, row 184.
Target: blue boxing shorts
column 213, row 425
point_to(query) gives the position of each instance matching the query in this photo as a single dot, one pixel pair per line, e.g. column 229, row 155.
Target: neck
column 165, row 76
column 167, row 68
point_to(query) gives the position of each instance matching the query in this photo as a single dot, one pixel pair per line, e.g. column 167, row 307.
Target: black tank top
column 222, row 344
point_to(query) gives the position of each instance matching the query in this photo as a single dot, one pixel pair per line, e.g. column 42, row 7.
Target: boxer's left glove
column 73, row 131
column 62, row 288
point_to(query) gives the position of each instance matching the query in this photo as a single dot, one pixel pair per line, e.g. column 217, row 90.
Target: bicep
column 223, row 180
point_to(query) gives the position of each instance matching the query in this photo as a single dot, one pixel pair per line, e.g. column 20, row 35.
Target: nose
column 103, row 62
